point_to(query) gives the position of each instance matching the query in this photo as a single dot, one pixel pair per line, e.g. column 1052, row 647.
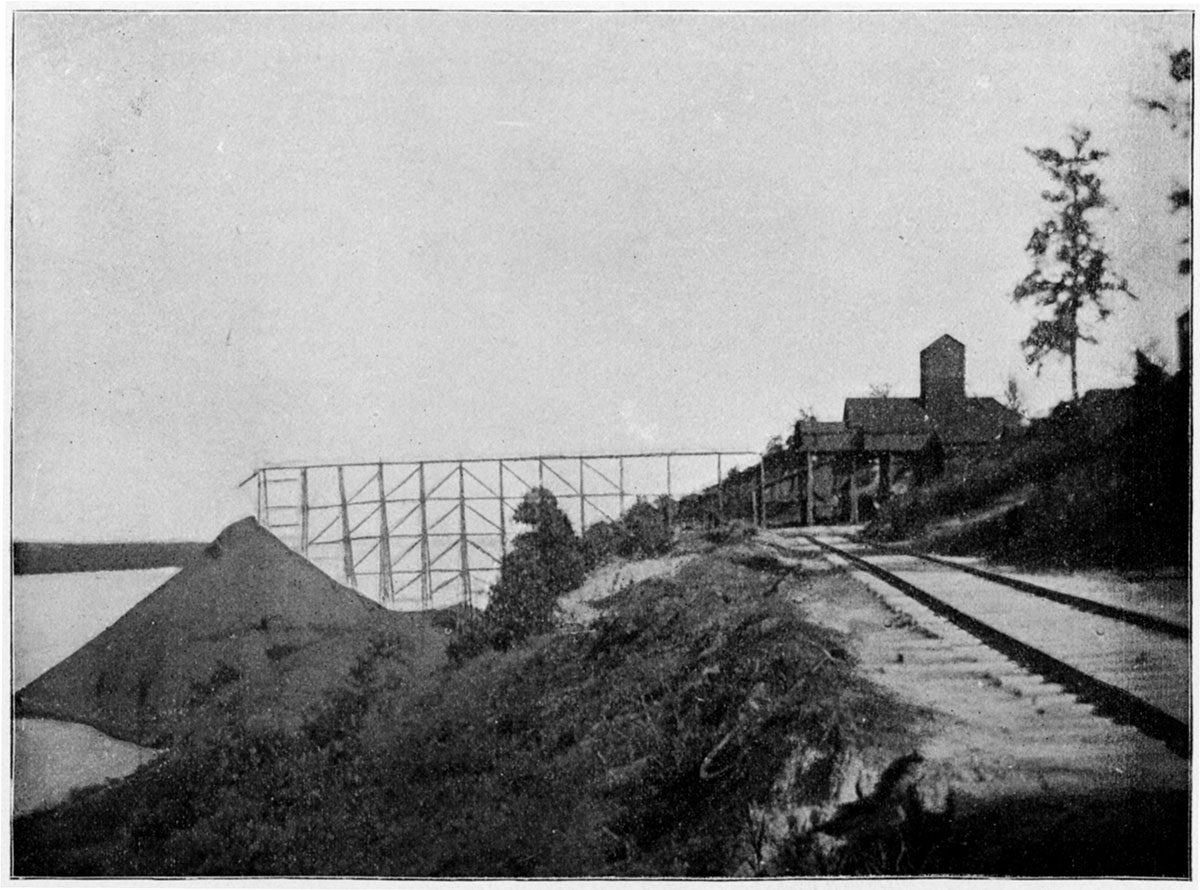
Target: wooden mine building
column 844, row 469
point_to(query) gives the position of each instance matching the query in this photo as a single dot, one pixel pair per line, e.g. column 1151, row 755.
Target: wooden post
column 762, row 492
column 853, row 488
column 304, row 512
column 754, row 505
column 387, row 592
column 808, row 488
column 258, row 500
column 621, row 486
column 463, row 553
column 669, row 517
column 541, row 473
column 347, row 547
column 582, row 518
column 1183, row 336
column 426, row 582
column 720, row 492
column 503, row 519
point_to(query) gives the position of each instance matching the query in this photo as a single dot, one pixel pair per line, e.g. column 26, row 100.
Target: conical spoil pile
column 250, row 631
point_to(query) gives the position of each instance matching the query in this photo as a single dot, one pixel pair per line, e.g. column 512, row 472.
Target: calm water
column 52, row 758
column 53, row 615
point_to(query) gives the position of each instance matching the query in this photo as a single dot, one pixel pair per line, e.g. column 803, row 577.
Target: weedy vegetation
column 637, row 746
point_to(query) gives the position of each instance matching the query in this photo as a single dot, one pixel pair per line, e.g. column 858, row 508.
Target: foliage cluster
column 549, row 561
column 1072, row 271
column 734, row 532
column 1176, row 107
column 710, row 508
column 544, row 563
column 642, row 532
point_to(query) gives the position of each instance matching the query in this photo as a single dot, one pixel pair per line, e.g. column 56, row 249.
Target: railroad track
column 1130, row 667
column 1083, row 604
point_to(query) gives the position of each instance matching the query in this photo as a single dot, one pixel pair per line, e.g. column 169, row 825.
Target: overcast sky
column 320, row 236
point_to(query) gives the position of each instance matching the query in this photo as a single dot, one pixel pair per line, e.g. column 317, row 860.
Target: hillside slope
column 1102, row 483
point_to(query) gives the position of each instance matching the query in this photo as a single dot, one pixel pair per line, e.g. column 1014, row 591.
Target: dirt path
column 611, row 577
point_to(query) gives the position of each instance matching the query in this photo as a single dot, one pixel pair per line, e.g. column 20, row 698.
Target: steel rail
column 1110, row 701
column 1083, row 604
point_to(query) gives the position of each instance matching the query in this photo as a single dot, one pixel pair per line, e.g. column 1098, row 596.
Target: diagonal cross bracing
column 486, row 519
column 477, row 513
column 573, row 489
column 448, row 477
column 483, row 484
column 601, row 475
column 399, row 485
column 515, row 475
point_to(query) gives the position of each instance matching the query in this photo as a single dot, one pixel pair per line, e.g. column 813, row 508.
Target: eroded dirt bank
column 739, row 709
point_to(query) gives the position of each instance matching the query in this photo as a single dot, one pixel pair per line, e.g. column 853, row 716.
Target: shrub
column 732, row 532
column 469, row 639
column 544, row 564
column 647, row 532
column 642, row 532
column 549, row 561
column 600, row 541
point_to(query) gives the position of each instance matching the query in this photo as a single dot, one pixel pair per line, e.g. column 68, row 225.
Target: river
column 52, row 616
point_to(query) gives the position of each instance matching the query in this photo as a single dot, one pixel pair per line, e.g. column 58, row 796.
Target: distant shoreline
column 34, row 558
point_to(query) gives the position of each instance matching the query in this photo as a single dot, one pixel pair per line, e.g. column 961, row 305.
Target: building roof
column 826, row 436
column 974, row 421
column 944, row 340
column 965, row 421
column 879, row 415
column 944, row 414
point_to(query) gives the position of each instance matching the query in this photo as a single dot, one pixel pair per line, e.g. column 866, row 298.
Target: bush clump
column 733, row 532
column 544, row 563
column 643, row 532
column 549, row 561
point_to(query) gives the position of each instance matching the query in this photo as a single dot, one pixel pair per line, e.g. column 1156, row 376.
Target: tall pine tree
column 1071, row 279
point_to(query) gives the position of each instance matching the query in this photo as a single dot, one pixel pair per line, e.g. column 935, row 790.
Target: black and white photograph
column 608, row 442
